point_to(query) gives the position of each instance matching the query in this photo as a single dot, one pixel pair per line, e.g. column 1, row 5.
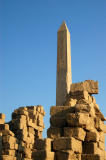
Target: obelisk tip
column 63, row 27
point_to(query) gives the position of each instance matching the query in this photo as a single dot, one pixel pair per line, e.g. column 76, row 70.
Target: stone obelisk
column 64, row 76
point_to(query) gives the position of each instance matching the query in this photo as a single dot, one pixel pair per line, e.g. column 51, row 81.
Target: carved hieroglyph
column 64, row 77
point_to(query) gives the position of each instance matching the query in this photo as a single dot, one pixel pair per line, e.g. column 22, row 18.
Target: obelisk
column 64, row 76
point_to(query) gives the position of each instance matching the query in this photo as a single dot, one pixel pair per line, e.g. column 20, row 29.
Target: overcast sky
column 28, row 50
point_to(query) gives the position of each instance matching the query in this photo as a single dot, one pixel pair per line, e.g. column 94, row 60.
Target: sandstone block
column 31, row 130
column 65, row 143
column 2, row 116
column 43, row 144
column 9, row 139
column 61, row 110
column 90, row 148
column 7, row 132
column 101, row 145
column 4, row 126
column 2, row 121
column 40, row 120
column 92, row 157
column 70, row 102
column 6, row 157
column 65, row 155
column 99, row 125
column 27, row 153
column 98, row 113
column 9, row 152
column 79, row 95
column 77, row 119
column 43, row 155
column 58, row 121
column 75, row 132
column 85, row 108
column 102, row 137
column 89, row 85
column 92, row 136
column 54, row 132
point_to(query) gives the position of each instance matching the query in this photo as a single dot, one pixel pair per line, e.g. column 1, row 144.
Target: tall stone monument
column 64, row 77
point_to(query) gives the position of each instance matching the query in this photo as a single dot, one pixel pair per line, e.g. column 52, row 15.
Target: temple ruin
column 77, row 129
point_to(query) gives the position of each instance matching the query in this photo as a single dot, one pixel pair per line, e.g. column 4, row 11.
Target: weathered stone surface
column 65, row 155
column 92, row 136
column 43, row 155
column 61, row 110
column 91, row 148
column 92, row 157
column 102, row 137
column 54, row 132
column 65, row 143
column 77, row 119
column 43, row 144
column 64, row 78
column 89, row 85
column 85, row 108
column 99, row 125
column 6, row 157
column 58, row 121
column 75, row 132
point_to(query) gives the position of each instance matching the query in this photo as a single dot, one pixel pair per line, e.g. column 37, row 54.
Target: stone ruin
column 77, row 129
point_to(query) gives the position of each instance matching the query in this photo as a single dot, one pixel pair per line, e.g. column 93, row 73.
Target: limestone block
column 99, row 125
column 92, row 136
column 58, row 121
column 43, row 155
column 75, row 132
column 54, row 132
column 65, row 155
column 43, row 144
column 89, row 85
column 61, row 110
column 66, row 143
column 77, row 119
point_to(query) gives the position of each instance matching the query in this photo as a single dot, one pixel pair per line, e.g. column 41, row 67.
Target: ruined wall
column 17, row 138
column 77, row 129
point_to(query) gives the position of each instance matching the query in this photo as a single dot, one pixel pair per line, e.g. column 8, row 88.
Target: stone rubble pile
column 77, row 128
column 18, row 137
